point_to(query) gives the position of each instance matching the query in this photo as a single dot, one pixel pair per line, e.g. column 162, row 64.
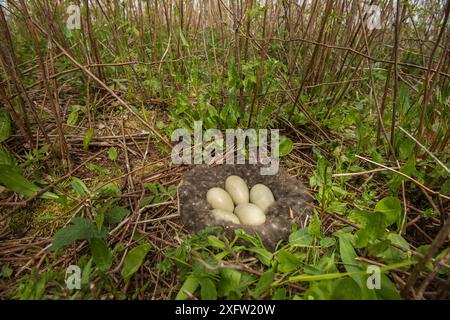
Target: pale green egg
column 250, row 214
column 220, row 214
column 219, row 199
column 238, row 189
column 261, row 196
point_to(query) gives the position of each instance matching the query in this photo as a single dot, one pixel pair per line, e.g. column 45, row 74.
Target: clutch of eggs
column 237, row 204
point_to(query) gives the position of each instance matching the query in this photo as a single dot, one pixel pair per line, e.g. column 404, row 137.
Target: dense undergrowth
column 85, row 171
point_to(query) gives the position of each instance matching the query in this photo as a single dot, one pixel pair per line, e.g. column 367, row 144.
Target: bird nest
column 291, row 206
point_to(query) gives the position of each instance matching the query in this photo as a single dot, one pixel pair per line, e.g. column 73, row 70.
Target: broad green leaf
column 286, row 146
column 345, row 289
column 17, row 183
column 320, row 290
column 445, row 188
column 300, row 238
column 322, row 168
column 391, row 207
column 188, row 288
column 109, row 189
column 279, row 294
column 116, row 215
column 101, row 254
column 79, row 187
column 87, row 138
column 6, row 158
column 249, row 238
column 214, row 242
column 264, row 283
column 391, row 254
column 98, row 169
column 406, row 148
column 262, row 254
column 373, row 229
column 112, row 153
column 99, row 220
column 5, row 125
column 183, row 39
column 409, row 168
column 348, row 254
column 314, row 227
column 221, row 255
column 73, row 118
column 287, row 261
column 325, row 265
column 133, row 260
column 208, row 289
column 86, row 274
column 353, row 266
column 379, row 247
column 6, row 272
column 229, row 281
column 79, row 229
column 388, row 290
column 327, row 242
column 337, row 207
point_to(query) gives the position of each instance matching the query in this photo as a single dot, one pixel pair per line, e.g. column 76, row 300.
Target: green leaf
column 17, row 183
column 391, row 207
column 79, row 229
column 348, row 254
column 445, row 187
column 320, row 290
column 314, row 226
column 6, row 272
column 337, row 207
column 98, row 169
column 279, row 294
column 99, row 220
column 79, row 187
column 73, row 118
column 262, row 254
column 326, row 264
column 379, row 247
column 133, row 260
column 345, row 289
column 229, row 282
column 406, row 148
column 388, row 290
column 183, row 39
column 323, row 168
column 286, row 146
column 101, row 254
column 5, row 125
column 374, row 224
column 254, row 240
column 300, row 238
column 327, row 242
column 264, row 283
column 112, row 153
column 87, row 138
column 287, row 262
column 86, row 274
column 116, row 215
column 391, row 254
column 6, row 158
column 109, row 189
column 188, row 288
column 214, row 242
column 353, row 266
column 208, row 289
